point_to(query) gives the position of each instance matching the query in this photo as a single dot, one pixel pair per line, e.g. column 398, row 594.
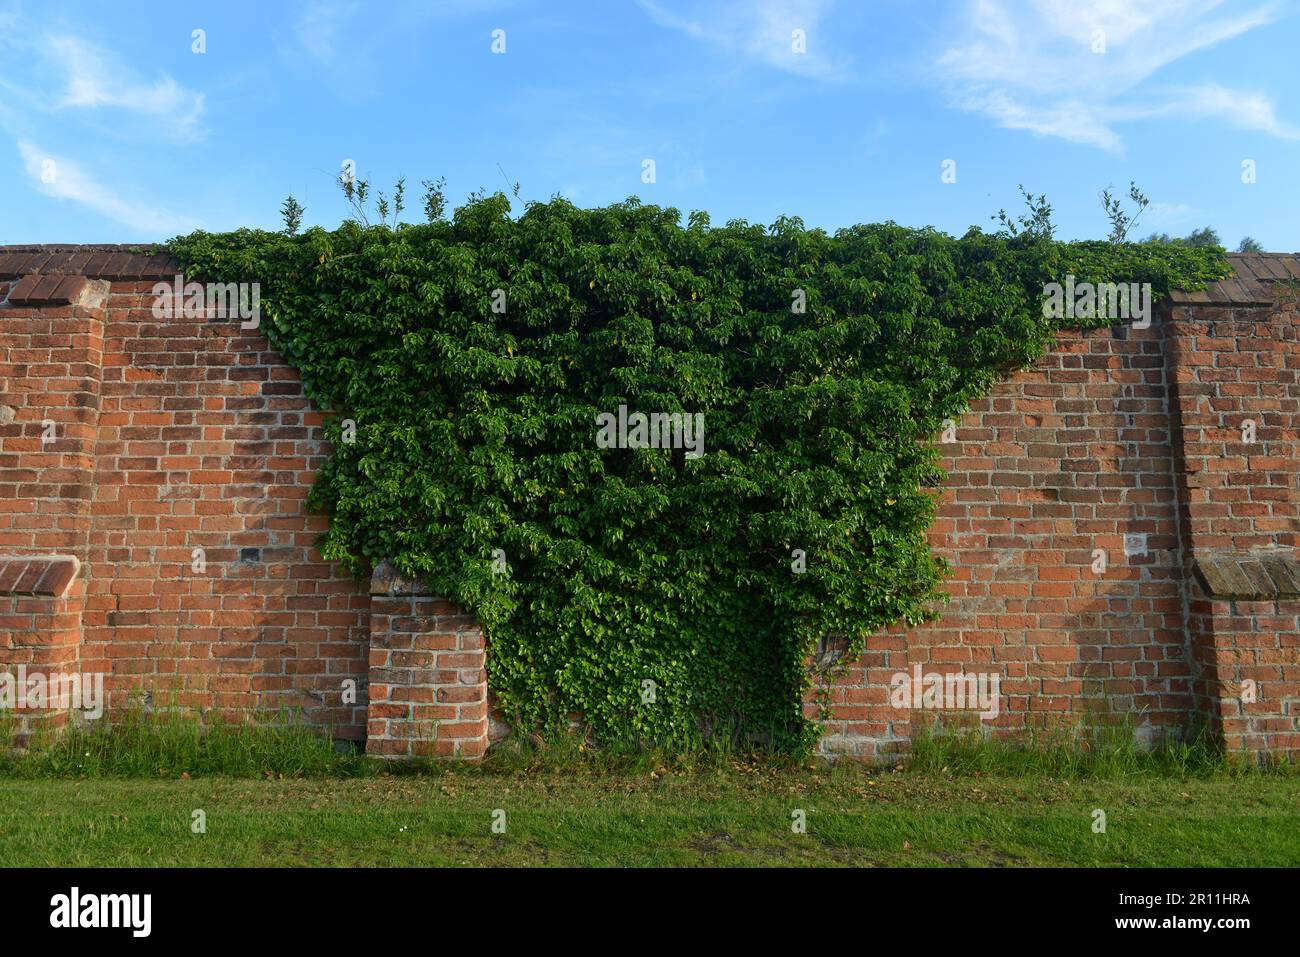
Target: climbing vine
column 660, row 594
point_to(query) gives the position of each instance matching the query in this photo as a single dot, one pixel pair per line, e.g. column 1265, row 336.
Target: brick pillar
column 1246, row 647
column 1236, row 408
column 51, row 351
column 40, row 638
column 428, row 683
column 861, row 723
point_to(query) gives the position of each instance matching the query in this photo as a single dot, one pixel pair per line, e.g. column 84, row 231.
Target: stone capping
column 1249, row 576
column 131, row 262
column 39, row 289
column 44, row 576
column 1254, row 281
column 387, row 581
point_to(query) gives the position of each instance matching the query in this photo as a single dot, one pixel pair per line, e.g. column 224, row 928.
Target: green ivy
column 475, row 431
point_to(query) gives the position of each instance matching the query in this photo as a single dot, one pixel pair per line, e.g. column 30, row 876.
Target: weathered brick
column 189, row 434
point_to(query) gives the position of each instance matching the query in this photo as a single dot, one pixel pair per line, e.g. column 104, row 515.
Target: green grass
column 1103, row 751
column 272, row 793
column 169, row 744
column 739, row 816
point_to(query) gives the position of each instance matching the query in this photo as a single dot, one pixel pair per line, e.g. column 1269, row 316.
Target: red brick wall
column 40, row 632
column 49, row 410
column 1056, row 463
column 181, row 434
column 175, row 435
column 1241, row 492
column 206, row 441
column 49, row 373
column 428, row 683
column 1098, row 441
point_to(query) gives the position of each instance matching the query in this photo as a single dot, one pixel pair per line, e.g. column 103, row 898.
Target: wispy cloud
column 324, row 28
column 94, row 78
column 761, row 31
column 1074, row 69
column 607, row 159
column 62, row 87
column 1248, row 110
column 63, row 179
column 319, row 25
column 1168, row 214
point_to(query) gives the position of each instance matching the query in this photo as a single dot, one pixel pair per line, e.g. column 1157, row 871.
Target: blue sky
column 113, row 129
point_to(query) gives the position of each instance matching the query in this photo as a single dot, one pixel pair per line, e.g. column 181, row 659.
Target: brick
column 180, row 435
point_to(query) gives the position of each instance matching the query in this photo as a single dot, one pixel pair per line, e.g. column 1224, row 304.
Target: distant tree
column 1205, row 236
column 1249, row 245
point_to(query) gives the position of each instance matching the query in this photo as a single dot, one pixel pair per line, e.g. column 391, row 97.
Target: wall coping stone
column 1250, row 576
column 96, row 261
column 1255, row 281
column 46, row 576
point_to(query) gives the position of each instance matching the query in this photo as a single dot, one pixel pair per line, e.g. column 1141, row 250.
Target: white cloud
column 1168, row 214
column 759, row 30
column 63, row 179
column 1247, row 110
column 1165, row 217
column 94, row 79
column 1071, row 120
column 1036, row 66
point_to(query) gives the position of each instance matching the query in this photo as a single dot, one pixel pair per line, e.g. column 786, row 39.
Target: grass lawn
column 737, row 815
